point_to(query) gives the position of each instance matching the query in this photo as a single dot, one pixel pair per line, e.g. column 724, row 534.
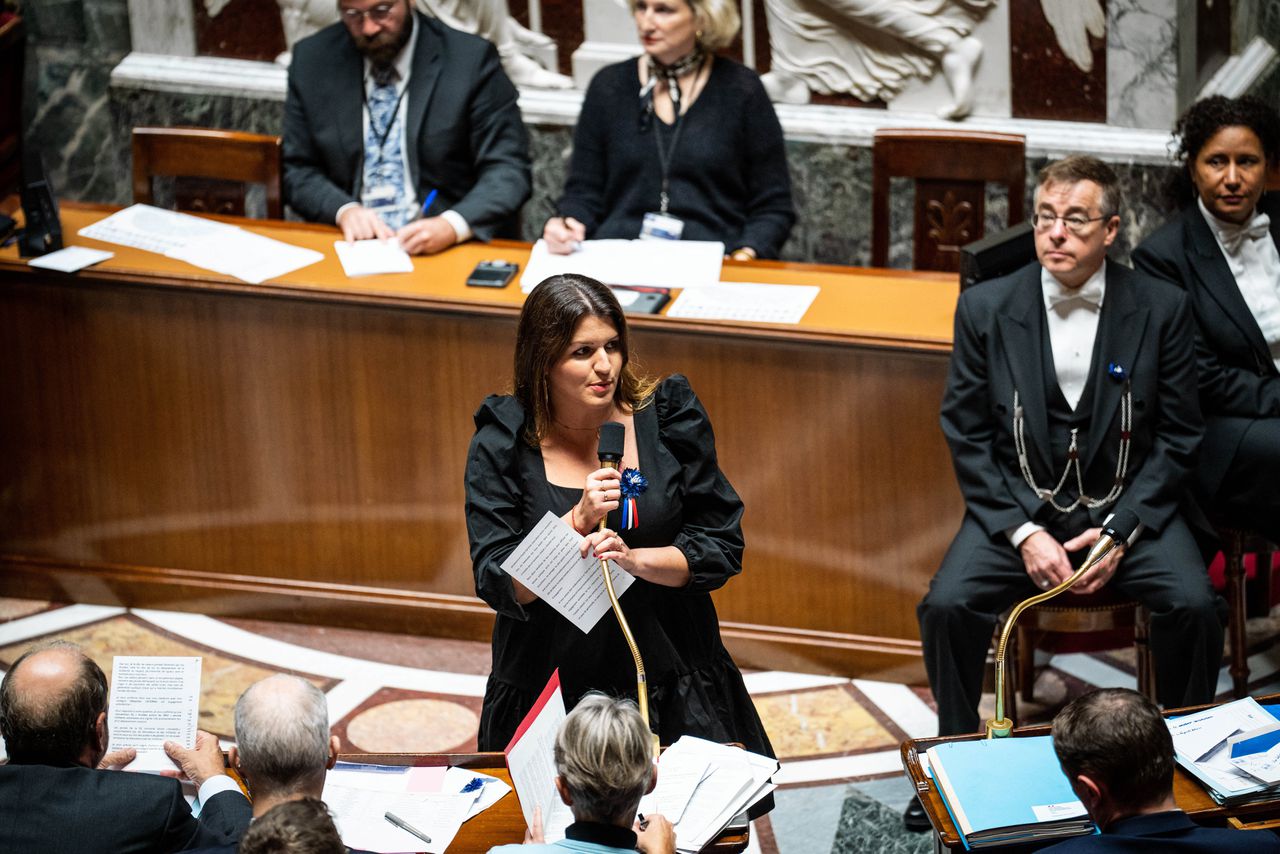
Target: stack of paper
column 202, row 243
column 1231, row 749
column 702, row 785
column 637, row 263
column 435, row 801
column 1006, row 790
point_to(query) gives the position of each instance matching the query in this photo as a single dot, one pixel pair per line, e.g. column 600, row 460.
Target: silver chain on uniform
column 1073, row 459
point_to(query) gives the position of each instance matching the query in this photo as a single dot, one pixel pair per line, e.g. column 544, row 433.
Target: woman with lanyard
column 698, row 155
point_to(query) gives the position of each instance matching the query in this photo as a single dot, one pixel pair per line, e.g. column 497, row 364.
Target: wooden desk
column 1190, row 795
column 295, row 450
column 503, row 823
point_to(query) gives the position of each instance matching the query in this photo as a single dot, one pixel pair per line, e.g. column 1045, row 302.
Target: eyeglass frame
column 378, row 14
column 1076, row 228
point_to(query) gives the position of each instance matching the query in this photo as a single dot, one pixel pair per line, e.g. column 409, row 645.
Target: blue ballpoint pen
column 431, row 197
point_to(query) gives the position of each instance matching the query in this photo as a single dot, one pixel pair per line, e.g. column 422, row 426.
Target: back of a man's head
column 50, row 702
column 302, row 826
column 282, row 736
column 1117, row 737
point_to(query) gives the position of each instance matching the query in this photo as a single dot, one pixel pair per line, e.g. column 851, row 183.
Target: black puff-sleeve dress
column 694, row 686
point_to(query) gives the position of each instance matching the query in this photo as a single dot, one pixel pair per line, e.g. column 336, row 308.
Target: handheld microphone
column 1114, row 533
column 613, row 438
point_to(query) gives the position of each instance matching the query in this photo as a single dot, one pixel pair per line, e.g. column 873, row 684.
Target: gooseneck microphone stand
column 1116, row 532
column 612, row 441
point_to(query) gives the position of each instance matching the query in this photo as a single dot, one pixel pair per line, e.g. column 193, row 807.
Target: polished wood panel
column 950, row 170
column 503, row 823
column 210, row 168
column 295, row 450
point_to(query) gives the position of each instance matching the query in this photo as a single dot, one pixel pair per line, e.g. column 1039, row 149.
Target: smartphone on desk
column 492, row 274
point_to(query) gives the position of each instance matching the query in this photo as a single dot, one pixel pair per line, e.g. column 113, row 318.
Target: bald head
column 282, row 736
column 51, row 703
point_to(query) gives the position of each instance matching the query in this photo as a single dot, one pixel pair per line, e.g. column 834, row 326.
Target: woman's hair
column 547, row 323
column 717, row 20
column 1205, row 118
column 604, row 756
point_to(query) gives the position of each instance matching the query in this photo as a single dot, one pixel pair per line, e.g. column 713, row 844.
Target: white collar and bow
column 1232, row 236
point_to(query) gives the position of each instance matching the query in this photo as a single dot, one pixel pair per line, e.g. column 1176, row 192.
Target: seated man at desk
column 1071, row 395
column 397, row 126
column 1116, row 750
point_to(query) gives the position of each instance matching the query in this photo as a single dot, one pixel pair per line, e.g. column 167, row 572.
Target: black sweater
column 729, row 178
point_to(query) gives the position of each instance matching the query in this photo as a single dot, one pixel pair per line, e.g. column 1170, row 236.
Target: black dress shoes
column 914, row 818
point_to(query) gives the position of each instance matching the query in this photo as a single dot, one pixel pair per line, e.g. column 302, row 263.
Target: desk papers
column 1006, row 790
column 548, row 563
column 70, row 259
column 637, row 263
column 531, row 761
column 435, row 799
column 202, row 243
column 745, row 301
column 154, row 699
column 1202, row 744
column 371, row 257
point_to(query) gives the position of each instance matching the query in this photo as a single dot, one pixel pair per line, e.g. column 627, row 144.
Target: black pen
column 405, row 826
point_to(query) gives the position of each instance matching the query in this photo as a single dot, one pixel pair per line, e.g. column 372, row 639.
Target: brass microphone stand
column 1000, row 726
column 642, row 682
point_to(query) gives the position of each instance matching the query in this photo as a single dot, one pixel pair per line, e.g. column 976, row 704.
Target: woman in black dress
column 536, row 451
column 681, row 132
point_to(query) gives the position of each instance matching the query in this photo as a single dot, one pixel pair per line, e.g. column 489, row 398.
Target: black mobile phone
column 492, row 274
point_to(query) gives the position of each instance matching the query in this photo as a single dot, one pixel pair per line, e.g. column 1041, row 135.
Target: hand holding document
column 154, row 699
column 531, row 761
column 643, row 263
column 371, row 257
column 702, row 785
column 548, row 563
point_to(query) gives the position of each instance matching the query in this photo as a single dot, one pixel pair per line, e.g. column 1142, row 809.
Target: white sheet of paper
column 71, row 258
column 371, row 257
column 1202, row 738
column 1263, row 765
column 736, row 779
column 531, row 762
column 548, row 563
column 494, row 790
column 678, row 777
column 360, row 817
column 247, row 256
column 755, row 303
column 646, row 263
column 153, row 229
column 154, row 699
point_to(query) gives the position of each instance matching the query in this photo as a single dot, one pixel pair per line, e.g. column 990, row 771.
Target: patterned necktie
column 383, row 155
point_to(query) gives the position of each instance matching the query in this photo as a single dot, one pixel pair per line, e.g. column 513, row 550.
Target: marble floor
column 841, row 784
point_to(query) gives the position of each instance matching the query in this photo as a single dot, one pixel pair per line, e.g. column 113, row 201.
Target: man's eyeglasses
column 1074, row 223
column 378, row 14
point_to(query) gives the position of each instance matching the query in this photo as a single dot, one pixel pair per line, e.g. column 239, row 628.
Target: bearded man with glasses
column 399, row 126
column 1071, row 396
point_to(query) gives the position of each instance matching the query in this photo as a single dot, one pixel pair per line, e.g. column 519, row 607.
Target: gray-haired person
column 604, row 767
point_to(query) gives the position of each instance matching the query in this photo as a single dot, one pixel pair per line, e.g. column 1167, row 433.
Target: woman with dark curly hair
column 1222, row 249
column 672, row 520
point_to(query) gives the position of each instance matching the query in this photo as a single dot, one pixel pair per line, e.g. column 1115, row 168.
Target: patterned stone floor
column 841, row 783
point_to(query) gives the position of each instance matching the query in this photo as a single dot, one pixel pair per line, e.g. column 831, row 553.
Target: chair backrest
column 12, row 44
column 210, row 168
column 951, row 170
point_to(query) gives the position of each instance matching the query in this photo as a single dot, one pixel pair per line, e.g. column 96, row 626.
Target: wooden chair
column 1104, row 611
column 210, row 168
column 951, row 170
column 1236, row 543
column 12, row 48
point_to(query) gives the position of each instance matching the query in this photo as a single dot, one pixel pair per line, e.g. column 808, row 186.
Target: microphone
column 613, row 438
column 1114, row 533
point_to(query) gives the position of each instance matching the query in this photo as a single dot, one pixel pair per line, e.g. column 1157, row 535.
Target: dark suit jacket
column 463, row 133
column 80, row 810
column 1170, row 831
column 1145, row 327
column 1237, row 377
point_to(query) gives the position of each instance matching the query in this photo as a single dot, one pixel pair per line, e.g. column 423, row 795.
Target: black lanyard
column 667, row 155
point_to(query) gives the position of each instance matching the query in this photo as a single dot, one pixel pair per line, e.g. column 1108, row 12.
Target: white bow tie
column 1090, row 293
column 1234, row 238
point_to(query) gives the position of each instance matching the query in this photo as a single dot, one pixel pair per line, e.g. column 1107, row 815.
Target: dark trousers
column 980, row 578
column 1248, row 492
